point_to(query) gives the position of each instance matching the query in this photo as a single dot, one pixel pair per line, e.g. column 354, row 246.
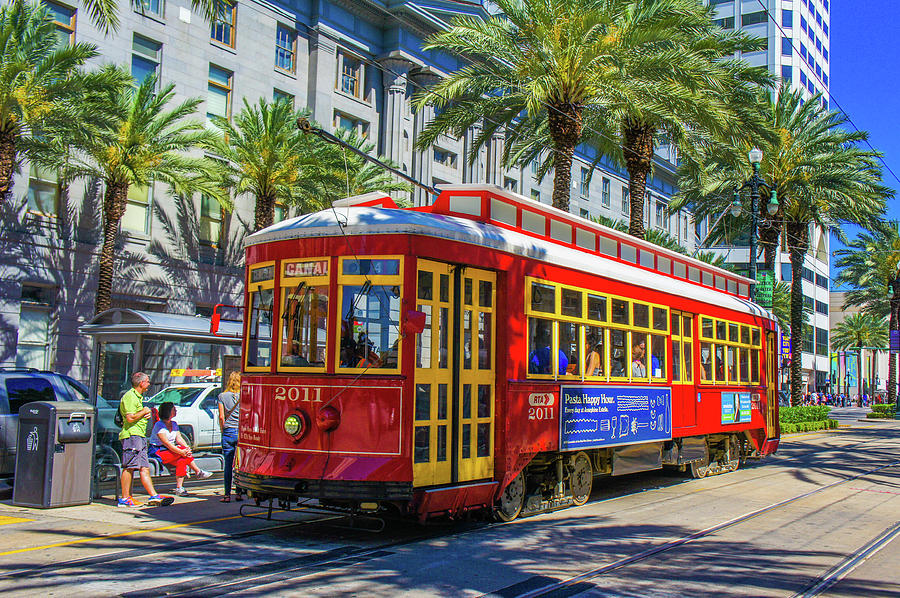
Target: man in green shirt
column 134, row 444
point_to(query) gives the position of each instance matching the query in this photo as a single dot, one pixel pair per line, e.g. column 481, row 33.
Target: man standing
column 134, row 444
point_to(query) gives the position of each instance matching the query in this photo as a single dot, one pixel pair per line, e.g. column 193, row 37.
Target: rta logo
column 541, row 399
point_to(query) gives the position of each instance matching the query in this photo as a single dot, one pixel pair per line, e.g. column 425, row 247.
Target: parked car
column 19, row 386
column 198, row 412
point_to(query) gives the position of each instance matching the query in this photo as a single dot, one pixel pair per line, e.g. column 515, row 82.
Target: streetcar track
column 845, row 567
column 568, row 583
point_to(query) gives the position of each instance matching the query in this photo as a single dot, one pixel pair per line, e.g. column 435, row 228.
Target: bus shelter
column 186, row 357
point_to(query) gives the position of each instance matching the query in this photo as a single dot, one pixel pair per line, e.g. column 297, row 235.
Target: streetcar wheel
column 733, row 456
column 512, row 499
column 699, row 470
column 581, row 478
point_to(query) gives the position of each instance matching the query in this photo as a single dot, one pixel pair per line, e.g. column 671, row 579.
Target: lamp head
column 755, row 156
column 772, row 208
column 736, row 205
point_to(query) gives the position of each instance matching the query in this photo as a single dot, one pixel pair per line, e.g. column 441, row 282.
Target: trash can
column 54, row 448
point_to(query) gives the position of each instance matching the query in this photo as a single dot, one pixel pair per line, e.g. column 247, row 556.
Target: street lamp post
column 754, row 184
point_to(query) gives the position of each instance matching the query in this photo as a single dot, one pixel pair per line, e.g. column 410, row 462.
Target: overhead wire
column 824, row 87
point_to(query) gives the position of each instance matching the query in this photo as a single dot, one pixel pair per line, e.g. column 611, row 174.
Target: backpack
column 118, row 420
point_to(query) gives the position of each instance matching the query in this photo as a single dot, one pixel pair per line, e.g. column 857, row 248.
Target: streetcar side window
column 304, row 326
column 734, row 355
column 563, row 337
column 706, row 362
column 260, row 321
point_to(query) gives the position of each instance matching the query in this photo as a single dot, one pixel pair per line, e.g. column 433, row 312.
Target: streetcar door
column 771, row 387
column 474, row 405
column 432, row 428
column 684, row 404
column 454, row 381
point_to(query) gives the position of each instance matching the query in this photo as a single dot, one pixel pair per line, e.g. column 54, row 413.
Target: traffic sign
column 895, row 341
column 785, row 343
column 765, row 285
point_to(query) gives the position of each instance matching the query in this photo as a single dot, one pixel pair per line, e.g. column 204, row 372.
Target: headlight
column 293, row 425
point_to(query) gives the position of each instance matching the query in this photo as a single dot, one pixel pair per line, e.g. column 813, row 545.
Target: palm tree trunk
column 638, row 150
column 265, row 211
column 798, row 243
column 114, row 201
column 768, row 238
column 8, row 158
column 893, row 325
column 565, row 123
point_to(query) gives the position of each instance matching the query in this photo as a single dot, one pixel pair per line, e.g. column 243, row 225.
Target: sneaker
column 128, row 503
column 204, row 474
column 159, row 500
column 180, row 492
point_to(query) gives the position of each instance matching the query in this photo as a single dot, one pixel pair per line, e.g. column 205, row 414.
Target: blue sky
column 865, row 78
column 865, row 75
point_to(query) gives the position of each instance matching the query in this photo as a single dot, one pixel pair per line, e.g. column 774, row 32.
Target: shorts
column 134, row 453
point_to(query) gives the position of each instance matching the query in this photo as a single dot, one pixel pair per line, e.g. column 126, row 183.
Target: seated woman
column 172, row 449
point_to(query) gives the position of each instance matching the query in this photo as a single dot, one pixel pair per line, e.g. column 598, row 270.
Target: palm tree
column 822, row 176
column 105, row 14
column 38, row 80
column 142, row 139
column 267, row 156
column 859, row 330
column 542, row 67
column 870, row 265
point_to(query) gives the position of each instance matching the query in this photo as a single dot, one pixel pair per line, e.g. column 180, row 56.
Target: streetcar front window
column 370, row 329
column 304, row 324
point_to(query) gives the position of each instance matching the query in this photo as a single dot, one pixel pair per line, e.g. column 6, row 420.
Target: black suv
column 24, row 385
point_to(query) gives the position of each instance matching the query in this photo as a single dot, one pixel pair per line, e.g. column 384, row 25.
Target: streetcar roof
column 368, row 220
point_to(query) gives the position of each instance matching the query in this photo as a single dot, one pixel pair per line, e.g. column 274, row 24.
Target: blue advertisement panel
column 595, row 416
column 735, row 407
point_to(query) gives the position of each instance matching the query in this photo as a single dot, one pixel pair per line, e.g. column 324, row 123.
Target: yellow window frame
column 728, row 344
column 375, row 280
column 288, row 284
column 255, row 287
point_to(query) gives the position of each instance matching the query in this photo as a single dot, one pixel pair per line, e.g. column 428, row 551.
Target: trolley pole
column 307, row 127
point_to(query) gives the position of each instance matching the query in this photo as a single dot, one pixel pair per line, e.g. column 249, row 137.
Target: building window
column 726, row 23
column 786, row 72
column 43, row 191
column 536, row 195
column 64, row 19
column 660, row 214
column 535, row 166
column 787, row 48
column 445, row 158
column 604, row 197
column 145, row 58
column 33, row 347
column 585, row 214
column 625, row 207
column 282, row 96
column 218, row 97
column 223, row 25
column 286, row 49
column 151, row 7
column 137, row 209
column 510, row 184
column 754, row 18
column 787, row 18
column 343, row 121
column 349, row 74
column 584, row 188
column 210, row 220
column 821, row 307
column 821, row 341
column 281, row 212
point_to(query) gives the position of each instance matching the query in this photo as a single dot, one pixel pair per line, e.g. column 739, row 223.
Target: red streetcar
column 488, row 352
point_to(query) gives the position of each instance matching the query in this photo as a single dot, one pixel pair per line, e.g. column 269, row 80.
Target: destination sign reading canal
column 595, row 416
column 317, row 268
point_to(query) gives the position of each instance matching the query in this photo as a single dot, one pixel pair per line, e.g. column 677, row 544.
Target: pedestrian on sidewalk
column 134, row 444
column 229, row 414
column 172, row 449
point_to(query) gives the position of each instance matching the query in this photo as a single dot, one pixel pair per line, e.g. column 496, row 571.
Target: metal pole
column 754, row 217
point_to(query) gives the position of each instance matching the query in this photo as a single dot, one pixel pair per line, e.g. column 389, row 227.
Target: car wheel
column 188, row 433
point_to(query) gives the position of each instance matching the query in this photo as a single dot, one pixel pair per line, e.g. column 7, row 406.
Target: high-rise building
column 353, row 63
column 798, row 41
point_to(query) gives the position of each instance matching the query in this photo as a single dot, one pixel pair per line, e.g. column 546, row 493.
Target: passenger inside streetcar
column 638, row 367
column 594, row 365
